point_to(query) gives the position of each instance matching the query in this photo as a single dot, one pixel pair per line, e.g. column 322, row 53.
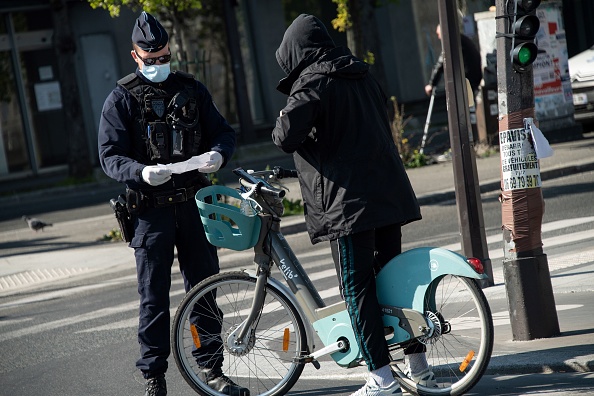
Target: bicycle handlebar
column 282, row 173
column 262, row 187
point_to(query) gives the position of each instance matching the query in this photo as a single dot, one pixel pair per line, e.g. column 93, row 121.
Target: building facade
column 32, row 122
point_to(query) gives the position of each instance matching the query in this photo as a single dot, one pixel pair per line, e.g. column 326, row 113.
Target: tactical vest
column 168, row 123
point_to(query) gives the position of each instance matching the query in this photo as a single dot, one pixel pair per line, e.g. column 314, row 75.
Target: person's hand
column 212, row 165
column 428, row 89
column 155, row 175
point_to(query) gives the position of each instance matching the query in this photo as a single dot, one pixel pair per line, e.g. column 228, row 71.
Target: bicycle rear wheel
column 267, row 364
column 460, row 347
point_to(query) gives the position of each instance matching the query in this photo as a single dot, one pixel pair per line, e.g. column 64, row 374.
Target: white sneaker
column 424, row 378
column 371, row 388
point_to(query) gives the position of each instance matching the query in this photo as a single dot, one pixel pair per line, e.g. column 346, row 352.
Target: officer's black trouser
column 157, row 232
column 357, row 258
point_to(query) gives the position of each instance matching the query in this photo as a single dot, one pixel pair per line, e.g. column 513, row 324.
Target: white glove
column 155, row 175
column 213, row 164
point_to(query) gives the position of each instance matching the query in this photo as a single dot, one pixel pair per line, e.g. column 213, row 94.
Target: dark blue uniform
column 167, row 215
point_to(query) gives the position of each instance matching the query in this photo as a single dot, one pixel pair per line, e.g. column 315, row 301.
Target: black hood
column 304, row 41
column 307, row 48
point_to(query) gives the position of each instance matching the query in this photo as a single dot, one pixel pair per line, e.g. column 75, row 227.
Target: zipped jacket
column 336, row 125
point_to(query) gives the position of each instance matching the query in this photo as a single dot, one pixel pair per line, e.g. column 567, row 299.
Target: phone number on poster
column 517, row 182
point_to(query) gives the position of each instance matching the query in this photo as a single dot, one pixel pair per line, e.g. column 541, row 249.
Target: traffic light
column 523, row 31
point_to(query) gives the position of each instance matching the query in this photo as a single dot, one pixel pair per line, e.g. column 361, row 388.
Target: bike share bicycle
column 269, row 330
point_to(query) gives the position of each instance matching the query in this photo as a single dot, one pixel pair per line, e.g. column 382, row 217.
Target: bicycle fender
column 403, row 282
column 291, row 297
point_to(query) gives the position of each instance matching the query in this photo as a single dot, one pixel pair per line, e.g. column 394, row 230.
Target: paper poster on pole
column 552, row 85
column 519, row 165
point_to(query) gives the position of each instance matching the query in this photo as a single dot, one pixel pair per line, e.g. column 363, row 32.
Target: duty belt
column 164, row 198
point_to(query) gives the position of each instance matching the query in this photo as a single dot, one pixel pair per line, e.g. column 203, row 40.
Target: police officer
column 155, row 116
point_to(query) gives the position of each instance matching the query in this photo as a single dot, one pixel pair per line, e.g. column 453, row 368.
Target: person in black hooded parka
column 355, row 189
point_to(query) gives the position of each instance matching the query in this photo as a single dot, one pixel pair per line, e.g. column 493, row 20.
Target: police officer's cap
column 148, row 34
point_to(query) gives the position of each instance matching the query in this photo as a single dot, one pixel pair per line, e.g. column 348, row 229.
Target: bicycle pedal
column 307, row 359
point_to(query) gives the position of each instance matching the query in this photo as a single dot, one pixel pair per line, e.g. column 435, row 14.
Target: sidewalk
column 29, row 260
column 436, row 182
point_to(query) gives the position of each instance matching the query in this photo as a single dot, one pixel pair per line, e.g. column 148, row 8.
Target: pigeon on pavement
column 36, row 224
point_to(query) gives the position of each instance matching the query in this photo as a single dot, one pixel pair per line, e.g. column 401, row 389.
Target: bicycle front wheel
column 266, row 364
column 460, row 346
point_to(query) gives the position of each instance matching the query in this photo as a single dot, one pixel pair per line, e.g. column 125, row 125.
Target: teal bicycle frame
column 401, row 289
column 457, row 334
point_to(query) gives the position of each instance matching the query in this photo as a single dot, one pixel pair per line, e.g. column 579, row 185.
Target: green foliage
column 292, row 207
column 416, row 160
column 369, row 58
column 112, row 236
column 150, row 6
column 213, row 177
column 411, row 158
column 343, row 21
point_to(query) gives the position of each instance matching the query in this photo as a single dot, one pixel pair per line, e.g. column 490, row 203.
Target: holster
column 123, row 217
column 134, row 201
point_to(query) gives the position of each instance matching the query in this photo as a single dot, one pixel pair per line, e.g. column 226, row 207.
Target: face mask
column 156, row 73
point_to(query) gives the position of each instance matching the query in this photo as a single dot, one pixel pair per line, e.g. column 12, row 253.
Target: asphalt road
column 78, row 336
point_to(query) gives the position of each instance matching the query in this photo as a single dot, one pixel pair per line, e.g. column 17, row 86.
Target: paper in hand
column 188, row 165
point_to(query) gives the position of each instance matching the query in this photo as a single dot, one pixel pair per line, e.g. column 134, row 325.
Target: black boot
column 156, row 386
column 221, row 383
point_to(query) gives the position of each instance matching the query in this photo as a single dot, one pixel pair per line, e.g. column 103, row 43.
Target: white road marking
column 500, row 318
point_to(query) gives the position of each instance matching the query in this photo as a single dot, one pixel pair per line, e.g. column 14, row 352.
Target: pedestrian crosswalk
column 317, row 261
column 495, row 246
column 497, row 253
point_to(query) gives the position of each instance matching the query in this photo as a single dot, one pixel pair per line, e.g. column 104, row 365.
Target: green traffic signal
column 523, row 29
column 524, row 54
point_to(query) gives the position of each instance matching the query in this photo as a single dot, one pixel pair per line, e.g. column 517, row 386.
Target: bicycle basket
column 224, row 224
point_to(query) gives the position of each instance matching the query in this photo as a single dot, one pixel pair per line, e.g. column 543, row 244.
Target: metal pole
column 525, row 267
column 241, row 94
column 428, row 120
column 18, row 78
column 468, row 199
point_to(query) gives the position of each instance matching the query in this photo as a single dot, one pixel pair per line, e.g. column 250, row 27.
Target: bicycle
column 268, row 329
